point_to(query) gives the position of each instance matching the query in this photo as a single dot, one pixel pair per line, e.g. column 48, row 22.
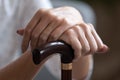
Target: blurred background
column 105, row 15
column 107, row 66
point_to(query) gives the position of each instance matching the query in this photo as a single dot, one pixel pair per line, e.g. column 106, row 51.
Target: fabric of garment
column 15, row 14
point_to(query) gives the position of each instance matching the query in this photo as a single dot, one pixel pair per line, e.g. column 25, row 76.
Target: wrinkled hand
column 84, row 40
column 47, row 25
column 66, row 24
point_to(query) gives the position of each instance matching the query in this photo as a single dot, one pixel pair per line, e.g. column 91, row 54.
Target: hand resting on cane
column 64, row 23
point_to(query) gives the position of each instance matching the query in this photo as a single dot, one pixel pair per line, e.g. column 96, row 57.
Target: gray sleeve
column 27, row 8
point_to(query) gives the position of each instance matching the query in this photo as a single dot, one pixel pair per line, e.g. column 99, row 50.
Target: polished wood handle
column 66, row 54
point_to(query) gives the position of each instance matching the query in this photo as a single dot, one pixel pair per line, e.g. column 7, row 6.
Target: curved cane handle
column 66, row 52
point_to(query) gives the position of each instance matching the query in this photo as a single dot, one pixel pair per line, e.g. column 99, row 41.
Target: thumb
column 20, row 32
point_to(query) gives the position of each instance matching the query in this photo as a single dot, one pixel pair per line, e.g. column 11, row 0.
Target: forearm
column 21, row 69
column 81, row 67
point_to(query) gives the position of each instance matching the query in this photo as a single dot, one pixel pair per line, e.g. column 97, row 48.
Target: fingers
column 49, row 29
column 48, row 25
column 38, row 30
column 42, row 27
column 84, row 40
column 30, row 27
column 70, row 37
column 59, row 30
column 95, row 42
column 92, row 42
column 101, row 46
column 20, row 32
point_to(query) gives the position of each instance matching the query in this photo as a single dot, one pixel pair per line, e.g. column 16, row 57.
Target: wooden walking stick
column 65, row 51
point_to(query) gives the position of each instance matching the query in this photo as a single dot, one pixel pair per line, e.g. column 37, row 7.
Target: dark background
column 107, row 66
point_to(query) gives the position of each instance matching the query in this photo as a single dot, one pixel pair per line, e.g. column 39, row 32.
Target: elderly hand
column 47, row 25
column 84, row 40
column 66, row 24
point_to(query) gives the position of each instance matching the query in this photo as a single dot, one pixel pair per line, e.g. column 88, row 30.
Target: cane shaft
column 66, row 75
column 66, row 71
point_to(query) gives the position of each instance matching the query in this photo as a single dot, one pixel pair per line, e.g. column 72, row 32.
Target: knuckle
column 41, row 10
column 84, row 26
column 76, row 28
column 80, row 48
column 87, row 49
column 65, row 21
column 91, row 25
column 94, row 49
column 35, row 36
column 50, row 13
column 58, row 20
column 70, row 32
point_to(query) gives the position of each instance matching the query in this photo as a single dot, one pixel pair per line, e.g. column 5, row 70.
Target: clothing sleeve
column 21, row 12
column 24, row 11
column 28, row 8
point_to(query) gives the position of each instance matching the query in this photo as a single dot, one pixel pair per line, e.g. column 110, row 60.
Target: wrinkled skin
column 64, row 23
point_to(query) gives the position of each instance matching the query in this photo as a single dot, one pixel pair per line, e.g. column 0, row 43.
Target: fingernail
column 104, row 49
column 17, row 31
